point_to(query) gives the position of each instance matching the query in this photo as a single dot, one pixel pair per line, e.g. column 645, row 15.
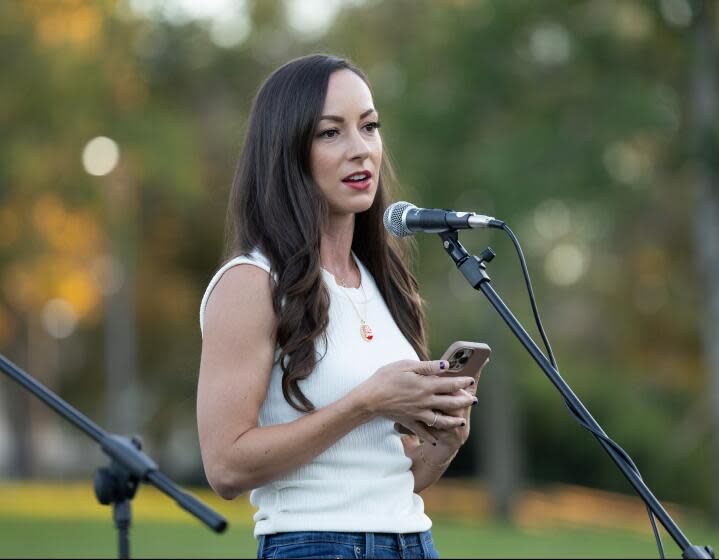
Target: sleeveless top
column 363, row 482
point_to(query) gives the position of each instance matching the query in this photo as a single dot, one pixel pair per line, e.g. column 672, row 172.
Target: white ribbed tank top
column 362, row 483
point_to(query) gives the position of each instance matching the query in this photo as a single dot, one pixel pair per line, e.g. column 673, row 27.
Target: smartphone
column 466, row 359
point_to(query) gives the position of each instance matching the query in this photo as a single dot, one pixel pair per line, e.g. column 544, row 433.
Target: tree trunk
column 499, row 448
column 121, row 389
column 17, row 404
column 703, row 99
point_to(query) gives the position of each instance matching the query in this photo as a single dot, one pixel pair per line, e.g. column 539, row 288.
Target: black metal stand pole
column 474, row 270
column 129, row 466
column 122, row 516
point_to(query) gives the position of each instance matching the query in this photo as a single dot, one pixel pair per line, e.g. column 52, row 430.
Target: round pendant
column 366, row 332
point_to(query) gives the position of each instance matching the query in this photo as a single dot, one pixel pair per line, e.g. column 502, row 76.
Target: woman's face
column 347, row 147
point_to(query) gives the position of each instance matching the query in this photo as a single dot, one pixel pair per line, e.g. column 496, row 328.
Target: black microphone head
column 393, row 222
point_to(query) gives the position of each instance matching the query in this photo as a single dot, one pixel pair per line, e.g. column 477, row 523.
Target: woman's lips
column 358, row 185
column 364, row 182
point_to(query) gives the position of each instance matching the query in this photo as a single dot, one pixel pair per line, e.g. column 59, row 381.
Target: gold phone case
column 466, row 359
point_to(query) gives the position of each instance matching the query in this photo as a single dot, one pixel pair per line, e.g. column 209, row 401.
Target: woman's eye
column 371, row 127
column 331, row 133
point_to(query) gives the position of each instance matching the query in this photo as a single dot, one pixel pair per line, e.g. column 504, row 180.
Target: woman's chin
column 362, row 208
column 357, row 205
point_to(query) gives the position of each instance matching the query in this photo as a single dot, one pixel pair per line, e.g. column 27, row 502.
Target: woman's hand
column 414, row 394
column 456, row 437
column 442, row 452
column 453, row 437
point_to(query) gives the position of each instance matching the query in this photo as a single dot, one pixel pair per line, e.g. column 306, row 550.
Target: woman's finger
column 448, row 403
column 451, row 384
column 442, row 421
column 430, row 368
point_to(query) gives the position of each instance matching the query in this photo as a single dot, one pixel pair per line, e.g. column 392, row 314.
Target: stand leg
column 121, row 515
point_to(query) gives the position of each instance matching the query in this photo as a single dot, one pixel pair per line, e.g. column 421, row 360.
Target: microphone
column 404, row 218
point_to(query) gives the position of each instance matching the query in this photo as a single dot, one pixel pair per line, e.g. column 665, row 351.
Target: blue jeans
column 329, row 544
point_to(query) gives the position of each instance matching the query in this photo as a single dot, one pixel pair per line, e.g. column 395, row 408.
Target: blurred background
column 589, row 126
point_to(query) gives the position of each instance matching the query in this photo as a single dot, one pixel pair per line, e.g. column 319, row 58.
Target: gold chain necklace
column 365, row 330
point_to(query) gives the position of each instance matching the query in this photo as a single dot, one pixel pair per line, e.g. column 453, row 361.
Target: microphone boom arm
column 474, row 270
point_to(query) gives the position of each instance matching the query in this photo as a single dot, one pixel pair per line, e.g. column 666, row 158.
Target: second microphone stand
column 129, row 466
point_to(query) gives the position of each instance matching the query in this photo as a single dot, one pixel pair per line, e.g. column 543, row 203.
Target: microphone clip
column 472, row 267
column 487, row 255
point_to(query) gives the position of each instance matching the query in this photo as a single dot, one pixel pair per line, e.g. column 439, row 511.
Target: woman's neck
column 336, row 248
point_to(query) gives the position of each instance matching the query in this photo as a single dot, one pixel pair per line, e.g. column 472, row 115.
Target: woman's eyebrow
column 341, row 119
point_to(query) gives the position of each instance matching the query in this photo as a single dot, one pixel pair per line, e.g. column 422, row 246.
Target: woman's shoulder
column 255, row 257
column 233, row 275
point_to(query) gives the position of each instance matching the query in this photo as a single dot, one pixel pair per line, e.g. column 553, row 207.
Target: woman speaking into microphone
column 314, row 343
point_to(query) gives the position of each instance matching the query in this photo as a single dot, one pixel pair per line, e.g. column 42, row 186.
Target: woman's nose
column 358, row 148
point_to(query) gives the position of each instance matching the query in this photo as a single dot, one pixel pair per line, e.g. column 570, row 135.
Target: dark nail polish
column 463, row 424
column 475, row 402
column 434, row 443
column 471, row 382
column 442, row 364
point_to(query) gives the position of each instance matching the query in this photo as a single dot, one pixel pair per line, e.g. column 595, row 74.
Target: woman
column 312, row 336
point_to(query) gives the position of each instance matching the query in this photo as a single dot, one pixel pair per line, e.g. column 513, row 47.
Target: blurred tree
column 49, row 238
column 705, row 117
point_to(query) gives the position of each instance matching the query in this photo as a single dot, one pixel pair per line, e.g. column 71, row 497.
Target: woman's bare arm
column 237, row 355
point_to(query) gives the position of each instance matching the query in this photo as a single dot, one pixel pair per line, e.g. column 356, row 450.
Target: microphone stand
column 129, row 466
column 474, row 270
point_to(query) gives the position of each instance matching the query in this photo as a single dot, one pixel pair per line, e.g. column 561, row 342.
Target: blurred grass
column 454, row 538
column 63, row 521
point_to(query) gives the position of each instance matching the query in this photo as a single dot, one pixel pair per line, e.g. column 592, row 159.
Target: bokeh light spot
column 565, row 264
column 632, row 20
column 230, row 32
column 100, row 156
column 311, row 17
column 109, row 272
column 550, row 44
column 552, row 219
column 626, row 163
column 59, row 318
column 676, row 12
column 80, row 289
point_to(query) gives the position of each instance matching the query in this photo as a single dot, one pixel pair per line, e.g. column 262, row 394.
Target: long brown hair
column 276, row 207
